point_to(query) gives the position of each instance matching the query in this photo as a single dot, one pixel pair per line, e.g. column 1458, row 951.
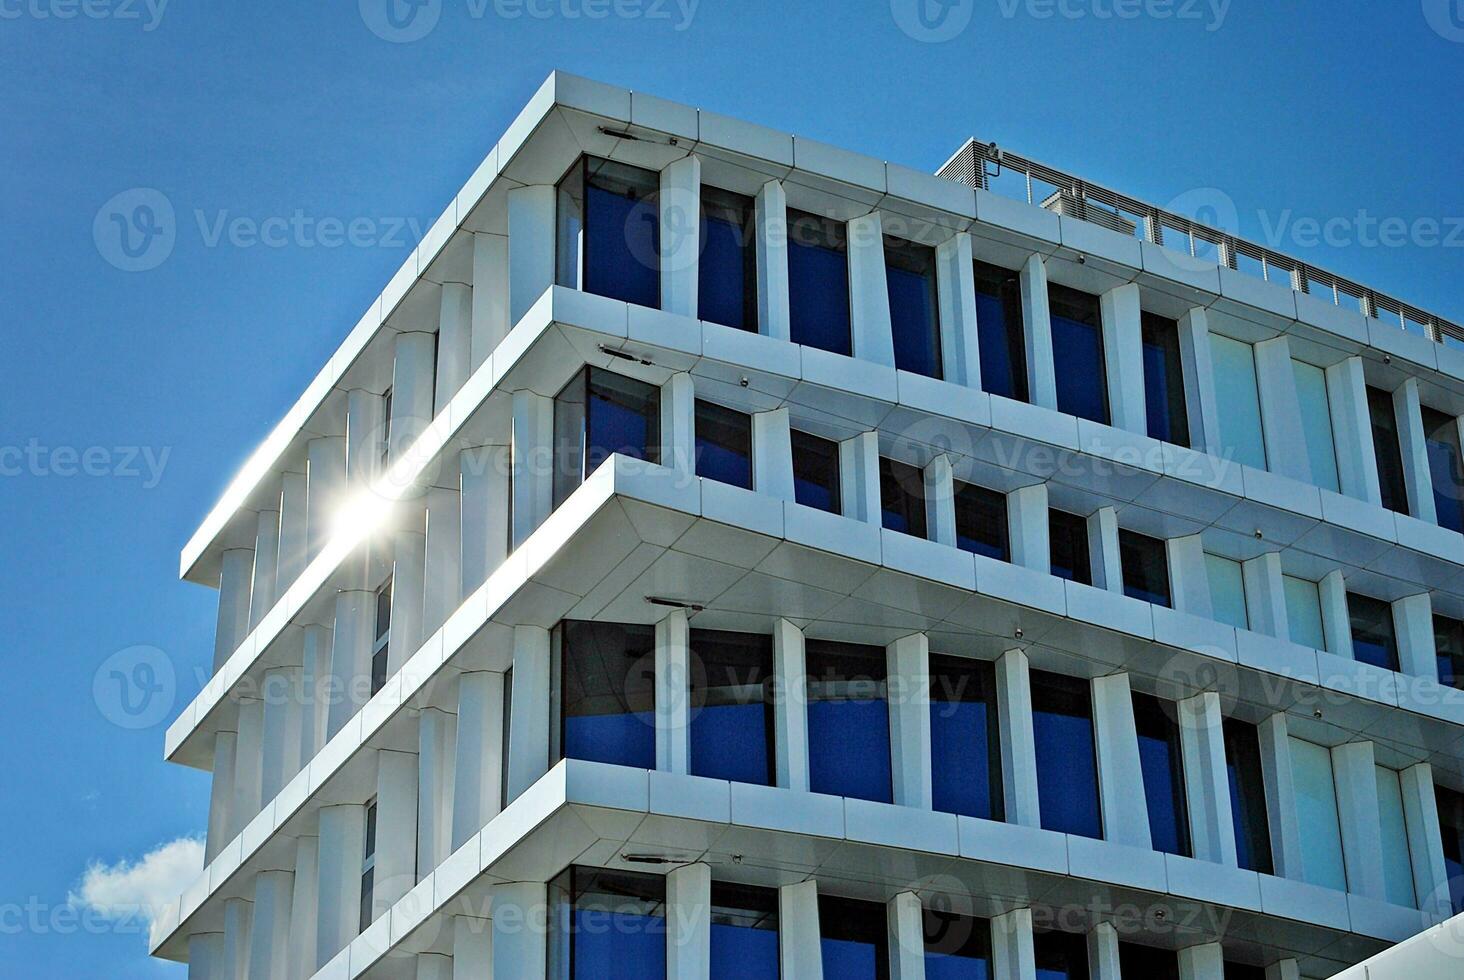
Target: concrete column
column 472, row 948
column 490, row 295
column 531, row 228
column 1336, row 621
column 678, row 425
column 284, row 711
column 689, row 923
column 1018, row 743
column 680, row 214
column 1120, row 774
column 1425, row 844
column 350, row 661
column 434, row 966
column 1123, row 356
column 772, row 454
column 238, row 920
column 1012, row 954
column 955, row 285
column 269, row 934
column 290, row 559
column 408, row 586
column 520, row 934
column 869, row 295
column 673, row 693
column 249, row 763
column 1205, row 962
column 1199, row 381
column 1357, row 466
column 478, row 767
column 206, row 956
column 799, row 953
column 365, row 434
column 1265, row 595
column 771, row 218
column 412, row 377
column 1103, row 961
column 1417, row 479
column 1286, row 451
column 859, row 477
column 940, row 501
column 342, row 849
column 454, row 343
column 266, row 558
column 1037, row 328
column 906, row 937
column 222, row 827
column 315, row 679
column 1030, row 528
column 396, row 828
column 1206, row 779
column 1189, row 576
column 484, row 514
column 305, row 901
column 1106, row 560
column 1283, row 970
column 790, row 708
column 443, row 570
column 436, row 752
column 235, row 578
column 1413, row 624
column 1355, row 770
column 908, row 671
column 1275, row 748
column 533, row 455
column 324, row 492
column 528, row 732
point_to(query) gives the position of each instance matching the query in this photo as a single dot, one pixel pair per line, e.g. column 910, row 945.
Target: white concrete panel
column 790, row 717
column 909, row 710
column 956, row 292
column 1207, row 782
column 799, row 954
column 1037, row 327
column 528, row 736
column 1012, row 954
column 689, row 923
column 1286, row 447
column 869, row 298
column 270, row 925
column 1123, row 356
column 1018, row 743
column 342, row 848
column 491, row 321
column 673, row 693
column 906, row 937
column 1120, row 775
column 531, row 217
column 1030, row 527
column 478, row 764
column 772, row 455
column 454, row 342
column 680, row 217
column 772, row 261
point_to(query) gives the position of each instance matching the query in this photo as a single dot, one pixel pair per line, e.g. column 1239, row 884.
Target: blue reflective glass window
column 965, row 754
column 1386, row 450
column 1147, row 962
column 1449, row 650
column 1451, row 829
column 853, row 939
column 607, row 693
column 1000, row 335
column 727, row 274
column 1373, row 639
column 1060, row 955
column 914, row 308
column 1161, row 762
column 723, row 445
column 816, row 472
column 731, row 706
column 1145, row 564
column 744, row 932
column 1067, row 767
column 981, row 521
column 1068, row 541
column 1237, row 401
column 957, row 947
column 1164, row 402
column 616, row 927
column 608, row 231
column 1247, row 796
column 818, row 282
column 597, row 414
column 901, row 497
column 1077, row 354
column 848, row 721
column 1441, row 435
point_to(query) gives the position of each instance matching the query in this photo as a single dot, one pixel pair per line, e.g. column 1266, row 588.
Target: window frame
column 740, row 212
column 1089, row 313
column 917, row 260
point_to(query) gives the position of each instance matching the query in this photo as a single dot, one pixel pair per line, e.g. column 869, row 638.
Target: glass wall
column 607, row 693
column 965, row 747
column 381, row 644
column 1067, row 765
column 1227, row 591
column 1060, row 955
column 1068, row 539
column 744, row 932
column 853, row 938
column 732, row 706
column 901, row 497
column 1304, row 612
column 1316, row 423
column 1000, row 335
column 723, row 445
column 1238, row 401
column 914, row 306
column 981, row 521
column 1247, row 796
column 607, row 925
column 597, row 414
column 1449, row 650
column 1164, row 402
column 1373, row 639
column 957, row 947
column 1077, row 353
column 1161, row 759
column 1386, row 450
column 1316, row 810
column 1451, row 829
column 848, row 720
column 727, row 273
column 1441, row 435
column 1397, row 863
column 1145, row 563
column 818, row 282
column 367, row 910
column 608, row 235
column 816, row 472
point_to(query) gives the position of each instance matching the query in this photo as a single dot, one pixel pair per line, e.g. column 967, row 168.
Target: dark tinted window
column 1373, row 640
column 914, row 307
column 1145, row 567
column 965, row 754
column 731, row 711
column 1069, row 542
column 723, row 445
column 902, row 497
column 1449, row 650
column 609, row 211
column 854, row 939
column 1247, row 796
column 981, row 521
column 1164, row 404
column 848, row 721
column 1244, row 971
column 1067, row 768
column 1000, row 334
column 816, row 472
column 1162, row 761
column 381, row 644
column 727, row 275
column 616, row 925
column 744, row 932
column 1386, row 450
column 597, row 414
column 607, row 693
column 1077, row 354
column 957, row 947
column 1451, row 829
column 1060, row 955
column 818, row 282
column 1147, row 963
column 1441, row 433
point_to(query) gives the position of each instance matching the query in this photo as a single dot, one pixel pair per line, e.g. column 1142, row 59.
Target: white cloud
column 138, row 891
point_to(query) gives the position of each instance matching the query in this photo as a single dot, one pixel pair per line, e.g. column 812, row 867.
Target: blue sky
column 134, row 396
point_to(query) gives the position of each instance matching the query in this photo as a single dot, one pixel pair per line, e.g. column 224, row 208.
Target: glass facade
column 607, row 925
column 1000, row 335
column 1386, row 450
column 1068, row 539
column 1164, row 400
column 732, row 706
column 723, row 445
column 597, row 414
column 1449, row 650
column 818, row 282
column 854, row 939
column 1451, row 830
column 727, row 272
column 848, row 720
column 914, row 306
column 1077, row 354
column 1373, row 639
column 965, row 751
column 1397, row 863
column 1227, row 591
column 1304, row 612
column 1316, row 810
column 1247, row 796
column 981, row 521
column 957, row 947
column 1238, row 401
column 1441, row 436
column 1060, row 955
column 901, row 497
column 1067, row 764
column 1147, row 962
column 381, row 643
column 1316, row 423
column 1161, row 759
column 816, row 472
column 744, row 932
column 608, row 233
column 607, row 693
column 1145, row 563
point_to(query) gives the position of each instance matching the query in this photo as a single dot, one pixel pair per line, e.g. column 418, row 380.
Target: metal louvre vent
column 1070, row 205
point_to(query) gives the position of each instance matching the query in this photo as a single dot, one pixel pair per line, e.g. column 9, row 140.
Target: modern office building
column 719, row 554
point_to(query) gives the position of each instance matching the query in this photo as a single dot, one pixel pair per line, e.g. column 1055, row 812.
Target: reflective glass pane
column 607, row 693
column 853, row 939
column 818, row 282
column 622, row 232
column 902, row 497
column 1243, row 971
column 597, row 414
column 957, row 947
column 731, row 707
column 816, row 472
column 1164, row 401
column 1304, row 612
column 744, row 932
column 1145, row 563
column 617, row 928
column 1161, row 761
column 723, row 445
column 1247, row 796
column 1316, row 810
column 914, row 308
column 1227, row 591
column 1077, row 354
column 1000, row 335
column 981, row 521
column 1386, row 450
column 1060, row 955
column 1397, row 864
column 1147, row 962
column 1316, row 423
column 727, row 272
column 848, row 721
column 1067, row 769
column 1449, row 650
column 1373, row 639
column 1441, row 436
column 1451, row 829
column 965, row 754
column 1068, row 537
column 1237, row 401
